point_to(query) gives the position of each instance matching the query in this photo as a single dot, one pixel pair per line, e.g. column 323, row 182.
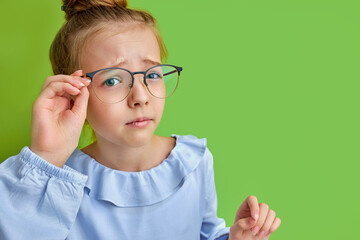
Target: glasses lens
column 112, row 85
column 162, row 80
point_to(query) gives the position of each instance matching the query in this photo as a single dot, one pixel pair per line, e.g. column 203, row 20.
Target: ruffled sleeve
column 38, row 200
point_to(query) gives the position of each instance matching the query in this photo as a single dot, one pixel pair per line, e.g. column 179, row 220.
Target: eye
column 153, row 76
column 111, row 82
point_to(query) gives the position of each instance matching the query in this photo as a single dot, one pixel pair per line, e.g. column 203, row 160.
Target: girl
column 129, row 183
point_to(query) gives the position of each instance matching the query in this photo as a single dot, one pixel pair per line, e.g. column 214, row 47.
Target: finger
column 254, row 207
column 59, row 89
column 80, row 104
column 77, row 73
column 243, row 224
column 264, row 209
column 275, row 225
column 75, row 79
column 267, row 224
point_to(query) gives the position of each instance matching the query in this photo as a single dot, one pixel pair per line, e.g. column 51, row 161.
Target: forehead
column 113, row 45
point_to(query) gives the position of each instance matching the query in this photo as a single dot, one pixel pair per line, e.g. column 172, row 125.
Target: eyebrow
column 151, row 61
column 121, row 61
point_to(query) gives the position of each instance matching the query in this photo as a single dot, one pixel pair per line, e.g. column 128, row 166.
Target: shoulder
column 193, row 149
column 191, row 144
column 196, row 157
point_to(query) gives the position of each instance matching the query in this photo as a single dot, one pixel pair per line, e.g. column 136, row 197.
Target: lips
column 139, row 122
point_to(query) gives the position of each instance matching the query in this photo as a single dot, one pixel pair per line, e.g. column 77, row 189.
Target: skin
column 57, row 122
column 254, row 221
column 135, row 149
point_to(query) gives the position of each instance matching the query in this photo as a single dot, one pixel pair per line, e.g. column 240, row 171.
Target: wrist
column 57, row 159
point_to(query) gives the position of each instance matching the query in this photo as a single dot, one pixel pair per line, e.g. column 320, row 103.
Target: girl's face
column 135, row 49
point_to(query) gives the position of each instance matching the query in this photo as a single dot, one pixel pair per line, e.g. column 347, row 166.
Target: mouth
column 139, row 122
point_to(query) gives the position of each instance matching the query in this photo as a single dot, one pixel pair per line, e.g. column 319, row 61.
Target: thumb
column 78, row 73
column 80, row 104
column 244, row 224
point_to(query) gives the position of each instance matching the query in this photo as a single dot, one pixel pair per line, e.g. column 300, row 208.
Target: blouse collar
column 135, row 189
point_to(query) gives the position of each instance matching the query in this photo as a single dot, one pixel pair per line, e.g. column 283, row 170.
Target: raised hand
column 254, row 221
column 57, row 118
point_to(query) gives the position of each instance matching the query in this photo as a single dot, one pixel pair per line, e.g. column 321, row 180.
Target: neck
column 125, row 158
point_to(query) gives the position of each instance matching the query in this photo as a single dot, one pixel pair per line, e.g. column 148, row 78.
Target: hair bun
column 71, row 7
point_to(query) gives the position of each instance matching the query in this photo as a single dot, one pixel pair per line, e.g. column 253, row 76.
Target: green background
column 273, row 86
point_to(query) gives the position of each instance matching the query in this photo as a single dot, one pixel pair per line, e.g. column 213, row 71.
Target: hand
column 57, row 119
column 254, row 221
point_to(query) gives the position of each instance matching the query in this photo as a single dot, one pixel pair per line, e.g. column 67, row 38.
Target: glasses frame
column 92, row 74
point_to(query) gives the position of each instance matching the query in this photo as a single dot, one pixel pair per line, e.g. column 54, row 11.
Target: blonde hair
column 84, row 18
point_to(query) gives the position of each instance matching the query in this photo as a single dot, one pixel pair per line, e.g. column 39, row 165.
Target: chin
column 139, row 139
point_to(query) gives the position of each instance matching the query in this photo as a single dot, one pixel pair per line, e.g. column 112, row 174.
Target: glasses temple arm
column 170, row 72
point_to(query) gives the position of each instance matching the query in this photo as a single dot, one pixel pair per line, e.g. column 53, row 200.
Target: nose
column 139, row 95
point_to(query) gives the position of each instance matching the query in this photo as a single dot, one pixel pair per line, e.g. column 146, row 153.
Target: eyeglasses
column 113, row 85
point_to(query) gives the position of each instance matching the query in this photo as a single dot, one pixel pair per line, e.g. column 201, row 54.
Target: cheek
column 159, row 106
column 103, row 114
column 96, row 110
column 92, row 103
column 92, row 109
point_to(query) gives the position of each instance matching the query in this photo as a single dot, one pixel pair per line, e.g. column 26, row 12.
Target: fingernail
column 81, row 84
column 256, row 216
column 255, row 230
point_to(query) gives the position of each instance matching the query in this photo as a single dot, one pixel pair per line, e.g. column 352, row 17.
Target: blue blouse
column 86, row 200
